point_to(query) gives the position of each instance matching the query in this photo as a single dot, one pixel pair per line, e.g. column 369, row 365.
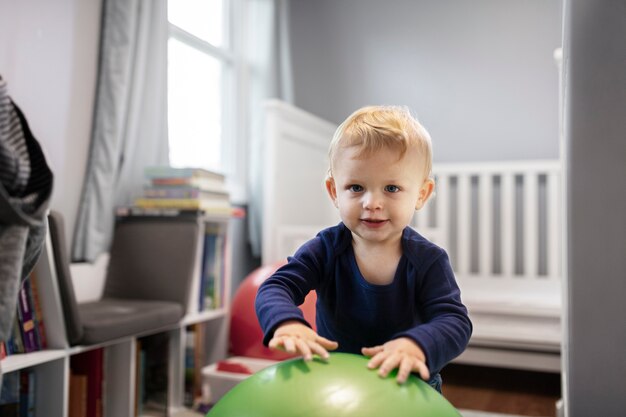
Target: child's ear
column 425, row 192
column 332, row 191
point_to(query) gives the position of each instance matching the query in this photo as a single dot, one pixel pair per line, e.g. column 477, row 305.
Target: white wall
column 595, row 107
column 48, row 56
column 480, row 74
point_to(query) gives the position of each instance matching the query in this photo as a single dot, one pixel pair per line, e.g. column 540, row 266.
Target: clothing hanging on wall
column 25, row 190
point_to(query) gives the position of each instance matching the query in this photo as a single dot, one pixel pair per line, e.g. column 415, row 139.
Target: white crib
column 499, row 222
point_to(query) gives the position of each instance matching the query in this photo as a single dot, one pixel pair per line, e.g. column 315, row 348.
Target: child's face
column 378, row 194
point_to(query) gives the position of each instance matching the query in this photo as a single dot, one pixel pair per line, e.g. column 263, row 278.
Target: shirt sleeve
column 280, row 295
column 446, row 327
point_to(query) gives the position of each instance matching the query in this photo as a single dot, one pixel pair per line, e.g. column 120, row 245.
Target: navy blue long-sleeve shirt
column 422, row 302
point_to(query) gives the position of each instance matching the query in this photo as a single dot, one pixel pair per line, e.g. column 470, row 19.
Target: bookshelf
column 121, row 371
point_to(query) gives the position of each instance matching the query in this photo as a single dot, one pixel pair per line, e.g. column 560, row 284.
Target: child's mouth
column 374, row 222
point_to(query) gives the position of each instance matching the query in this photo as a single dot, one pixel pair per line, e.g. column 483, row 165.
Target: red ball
column 246, row 336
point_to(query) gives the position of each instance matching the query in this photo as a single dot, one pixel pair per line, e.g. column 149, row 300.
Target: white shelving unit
column 52, row 366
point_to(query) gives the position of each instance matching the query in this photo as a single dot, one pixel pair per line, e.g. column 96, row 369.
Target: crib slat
column 485, row 208
column 554, row 231
column 531, row 228
column 463, row 223
column 443, row 211
column 508, row 223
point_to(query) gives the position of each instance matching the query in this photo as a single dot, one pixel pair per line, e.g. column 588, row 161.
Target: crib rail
column 500, row 224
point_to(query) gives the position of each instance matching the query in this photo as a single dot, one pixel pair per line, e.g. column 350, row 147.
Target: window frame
column 234, row 158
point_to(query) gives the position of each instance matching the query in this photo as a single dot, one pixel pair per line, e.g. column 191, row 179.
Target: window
column 202, row 61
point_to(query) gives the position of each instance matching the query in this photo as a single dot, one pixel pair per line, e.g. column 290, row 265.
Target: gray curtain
column 268, row 56
column 130, row 120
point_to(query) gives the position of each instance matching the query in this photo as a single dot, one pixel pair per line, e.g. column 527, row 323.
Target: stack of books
column 194, row 189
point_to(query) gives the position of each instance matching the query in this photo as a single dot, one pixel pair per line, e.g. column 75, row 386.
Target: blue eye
column 392, row 188
column 355, row 188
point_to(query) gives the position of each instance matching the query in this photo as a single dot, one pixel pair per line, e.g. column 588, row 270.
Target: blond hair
column 372, row 128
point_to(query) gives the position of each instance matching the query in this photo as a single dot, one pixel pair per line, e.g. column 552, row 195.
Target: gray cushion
column 110, row 318
column 153, row 258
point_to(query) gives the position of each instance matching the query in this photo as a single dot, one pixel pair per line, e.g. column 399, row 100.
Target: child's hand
column 295, row 337
column 402, row 353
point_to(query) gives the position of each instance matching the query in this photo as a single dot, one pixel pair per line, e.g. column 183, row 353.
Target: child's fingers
column 406, row 366
column 390, row 363
column 282, row 343
column 326, row 344
column 371, row 351
column 377, row 360
column 289, row 345
column 319, row 350
column 422, row 369
column 276, row 343
column 304, row 349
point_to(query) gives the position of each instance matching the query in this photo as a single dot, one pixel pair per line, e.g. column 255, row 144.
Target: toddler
column 383, row 290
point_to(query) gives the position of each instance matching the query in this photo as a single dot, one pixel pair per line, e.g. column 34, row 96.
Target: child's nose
column 372, row 201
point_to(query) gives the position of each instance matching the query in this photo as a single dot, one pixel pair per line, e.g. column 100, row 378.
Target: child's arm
column 295, row 337
column 402, row 353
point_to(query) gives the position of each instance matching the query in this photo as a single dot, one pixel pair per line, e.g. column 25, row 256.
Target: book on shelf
column 128, row 212
column 212, row 271
column 26, row 318
column 91, row 365
column 195, row 360
column 10, row 395
column 28, row 332
column 214, row 207
column 27, row 393
column 189, row 379
column 196, row 177
column 38, row 312
column 185, row 189
column 15, row 343
column 17, row 397
column 78, row 395
column 164, row 171
column 191, row 192
column 154, row 380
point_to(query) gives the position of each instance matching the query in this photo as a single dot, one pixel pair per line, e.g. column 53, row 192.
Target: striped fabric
column 14, row 161
column 25, row 190
column 24, row 173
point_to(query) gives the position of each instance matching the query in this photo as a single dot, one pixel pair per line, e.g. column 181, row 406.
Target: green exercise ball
column 341, row 387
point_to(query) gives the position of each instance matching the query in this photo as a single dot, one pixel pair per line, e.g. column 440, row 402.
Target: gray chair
column 146, row 286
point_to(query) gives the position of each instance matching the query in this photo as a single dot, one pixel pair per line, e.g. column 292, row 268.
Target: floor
column 495, row 390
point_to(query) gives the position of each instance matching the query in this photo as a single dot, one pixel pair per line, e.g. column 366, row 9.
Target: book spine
column 207, row 285
column 17, row 345
column 41, row 331
column 91, row 365
column 168, row 202
column 10, row 395
column 27, row 324
column 27, row 393
column 171, row 193
column 78, row 395
column 148, row 212
column 172, row 172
